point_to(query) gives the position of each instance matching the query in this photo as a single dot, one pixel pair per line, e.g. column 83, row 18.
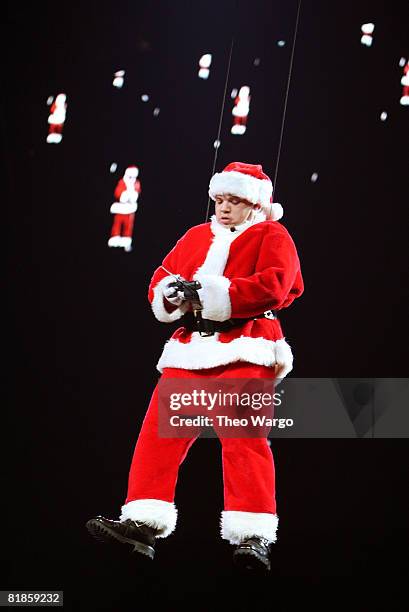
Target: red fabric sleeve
column 170, row 263
column 277, row 280
column 119, row 189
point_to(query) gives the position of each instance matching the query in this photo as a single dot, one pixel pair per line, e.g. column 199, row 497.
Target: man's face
column 232, row 210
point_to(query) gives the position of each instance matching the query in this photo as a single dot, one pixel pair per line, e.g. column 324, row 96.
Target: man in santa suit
column 240, row 111
column 405, row 82
column 126, row 193
column 56, row 119
column 244, row 267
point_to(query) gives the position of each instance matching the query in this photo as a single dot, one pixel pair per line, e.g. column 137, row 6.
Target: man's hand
column 174, row 295
column 182, row 290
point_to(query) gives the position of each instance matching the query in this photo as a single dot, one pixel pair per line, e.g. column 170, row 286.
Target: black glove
column 188, row 288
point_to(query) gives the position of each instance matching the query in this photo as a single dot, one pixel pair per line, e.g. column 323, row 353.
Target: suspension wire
column 220, row 121
column 284, row 109
column 286, row 97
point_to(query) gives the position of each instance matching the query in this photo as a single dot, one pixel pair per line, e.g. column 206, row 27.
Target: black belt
column 207, row 327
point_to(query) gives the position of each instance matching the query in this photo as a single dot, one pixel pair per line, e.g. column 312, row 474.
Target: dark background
column 84, row 343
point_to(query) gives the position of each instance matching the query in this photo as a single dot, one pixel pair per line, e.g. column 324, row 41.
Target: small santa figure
column 56, row 119
column 204, row 66
column 405, row 82
column 126, row 193
column 241, row 110
column 367, row 30
column 119, row 77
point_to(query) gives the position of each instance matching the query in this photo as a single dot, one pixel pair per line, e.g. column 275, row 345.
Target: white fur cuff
column 238, row 526
column 214, row 296
column 158, row 305
column 123, row 208
column 155, row 513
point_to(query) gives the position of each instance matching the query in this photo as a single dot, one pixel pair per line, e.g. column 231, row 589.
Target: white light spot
column 367, row 31
column 217, row 144
column 234, row 93
column 118, row 79
column 314, row 177
column 402, row 61
column 281, row 43
column 384, row 116
column 205, row 61
column 113, row 167
column 203, row 73
column 257, row 61
column 368, row 28
column 50, row 100
column 156, row 111
column 144, row 97
column 366, row 40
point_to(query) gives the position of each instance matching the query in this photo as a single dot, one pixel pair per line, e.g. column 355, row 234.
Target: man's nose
column 225, row 206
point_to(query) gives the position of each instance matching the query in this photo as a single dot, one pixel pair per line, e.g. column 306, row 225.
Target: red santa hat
column 249, row 182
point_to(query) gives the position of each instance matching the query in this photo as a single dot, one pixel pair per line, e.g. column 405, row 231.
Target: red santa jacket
column 129, row 207
column 121, row 187
column 242, row 273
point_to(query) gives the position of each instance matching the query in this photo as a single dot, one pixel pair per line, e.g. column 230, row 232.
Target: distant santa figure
column 119, row 77
column 367, row 30
column 405, row 82
column 241, row 110
column 126, row 194
column 204, row 66
column 56, row 119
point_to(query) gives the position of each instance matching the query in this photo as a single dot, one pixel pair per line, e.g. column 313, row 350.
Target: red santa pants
column 240, row 120
column 123, row 225
column 248, row 465
column 55, row 128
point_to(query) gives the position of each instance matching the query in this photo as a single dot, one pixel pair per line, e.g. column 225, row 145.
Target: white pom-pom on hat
column 276, row 211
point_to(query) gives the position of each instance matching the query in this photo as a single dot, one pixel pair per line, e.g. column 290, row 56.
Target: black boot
column 138, row 535
column 253, row 554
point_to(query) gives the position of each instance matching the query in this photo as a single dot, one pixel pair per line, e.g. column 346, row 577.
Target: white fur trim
column 126, row 242
column 273, row 212
column 405, row 79
column 207, row 352
column 238, row 526
column 203, row 73
column 160, row 515
column 404, row 100
column 54, row 138
column 368, row 28
column 241, row 110
column 114, row 241
column 123, row 209
column 366, row 40
column 215, row 293
column 242, row 185
column 158, row 306
column 214, row 296
column 276, row 211
column 239, row 130
column 218, row 252
column 56, row 118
